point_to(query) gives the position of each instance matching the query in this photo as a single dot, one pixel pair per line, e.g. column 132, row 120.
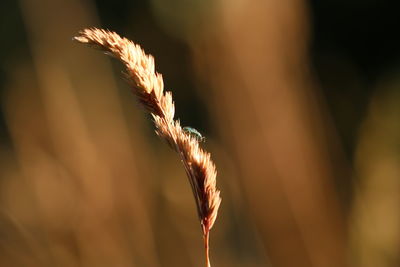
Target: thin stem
column 207, row 248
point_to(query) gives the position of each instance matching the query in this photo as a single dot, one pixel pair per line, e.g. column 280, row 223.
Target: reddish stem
column 207, row 248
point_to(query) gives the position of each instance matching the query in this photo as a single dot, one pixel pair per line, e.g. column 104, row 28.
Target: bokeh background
column 299, row 102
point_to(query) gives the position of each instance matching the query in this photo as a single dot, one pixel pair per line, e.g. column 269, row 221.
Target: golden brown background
column 299, row 102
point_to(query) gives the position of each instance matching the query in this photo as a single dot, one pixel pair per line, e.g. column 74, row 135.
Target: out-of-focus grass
column 85, row 182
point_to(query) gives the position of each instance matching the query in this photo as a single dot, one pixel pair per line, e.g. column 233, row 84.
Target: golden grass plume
column 149, row 87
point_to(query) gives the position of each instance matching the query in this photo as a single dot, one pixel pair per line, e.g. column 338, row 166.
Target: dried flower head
column 148, row 85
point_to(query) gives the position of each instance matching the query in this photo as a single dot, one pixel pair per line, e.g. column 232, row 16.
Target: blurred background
column 299, row 102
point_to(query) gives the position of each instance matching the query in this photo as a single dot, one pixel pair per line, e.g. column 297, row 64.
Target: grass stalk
column 148, row 86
